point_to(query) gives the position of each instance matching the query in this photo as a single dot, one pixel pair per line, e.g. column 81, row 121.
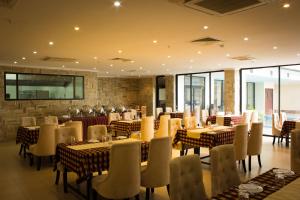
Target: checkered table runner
column 86, row 161
column 206, row 139
column 227, row 120
column 26, row 136
column 287, row 127
column 172, row 115
column 267, row 179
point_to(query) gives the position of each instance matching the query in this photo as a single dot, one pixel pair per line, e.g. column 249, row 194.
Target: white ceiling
column 104, row 30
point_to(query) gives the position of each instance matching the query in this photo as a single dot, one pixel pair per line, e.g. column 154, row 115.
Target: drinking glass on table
column 72, row 140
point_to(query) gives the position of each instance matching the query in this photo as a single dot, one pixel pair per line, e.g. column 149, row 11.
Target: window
column 250, row 96
column 160, row 91
column 20, row 86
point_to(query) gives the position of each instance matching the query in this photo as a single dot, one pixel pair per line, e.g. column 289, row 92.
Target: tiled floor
column 20, row 181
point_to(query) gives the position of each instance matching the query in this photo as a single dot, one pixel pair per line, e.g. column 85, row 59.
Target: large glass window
column 41, row 86
column 250, row 96
column 217, row 86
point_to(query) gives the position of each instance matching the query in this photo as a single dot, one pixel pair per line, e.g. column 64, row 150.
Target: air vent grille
column 243, row 58
column 121, row 59
column 207, row 41
column 58, row 59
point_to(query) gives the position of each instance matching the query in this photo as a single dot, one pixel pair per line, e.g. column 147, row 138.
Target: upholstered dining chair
column 28, row 121
column 45, row 145
column 144, row 111
column 169, row 109
column 157, row 171
column 163, row 126
column 246, row 118
column 113, row 117
column 174, row 125
column 78, row 126
column 123, row 180
column 197, row 111
column 220, row 120
column 186, row 180
column 295, row 150
column 276, row 131
column 158, row 111
column 254, row 117
column 282, row 118
column 147, row 129
column 190, row 122
column 224, row 172
column 126, row 116
column 241, row 143
column 63, row 135
column 255, row 142
column 133, row 113
column 204, row 115
column 96, row 131
column 51, row 120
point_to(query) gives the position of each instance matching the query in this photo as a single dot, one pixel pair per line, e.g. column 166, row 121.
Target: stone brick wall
column 231, row 91
column 147, row 95
column 170, row 91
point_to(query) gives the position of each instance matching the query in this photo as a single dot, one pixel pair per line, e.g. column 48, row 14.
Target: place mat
column 288, row 192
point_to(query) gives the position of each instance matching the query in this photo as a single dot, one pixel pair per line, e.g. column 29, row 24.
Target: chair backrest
column 254, row 117
column 220, row 120
column 63, row 134
column 275, row 120
column 123, row 180
column 187, row 112
column 186, row 180
column 169, row 109
column 204, row 115
column 246, row 117
column 133, row 114
column 158, row 111
column 295, row 150
column 282, row 118
column 241, row 141
column 28, row 121
column 46, row 143
column 78, row 126
column 147, row 128
column 96, row 131
column 174, row 125
column 126, row 116
column 220, row 113
column 51, row 120
column 113, row 117
column 255, row 139
column 190, row 122
column 157, row 173
column 197, row 111
column 163, row 126
column 224, row 172
column 144, row 111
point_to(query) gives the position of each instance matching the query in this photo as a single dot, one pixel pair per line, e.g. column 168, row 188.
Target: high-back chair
column 295, row 150
column 197, row 115
column 63, row 135
column 220, row 120
column 51, row 120
column 174, row 125
column 282, row 118
column 246, row 118
column 157, row 171
column 123, row 180
column 158, row 111
column 133, row 114
column 241, row 143
column 45, row 145
column 78, row 126
column 169, row 109
column 126, row 116
column 190, row 122
column 204, row 115
column 113, row 117
column 224, row 172
column 144, row 111
column 163, row 126
column 28, row 121
column 254, row 117
column 276, row 131
column 96, row 131
column 186, row 180
column 255, row 142
column 147, row 128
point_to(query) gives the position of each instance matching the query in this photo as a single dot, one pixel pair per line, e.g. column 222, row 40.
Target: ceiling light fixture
column 51, row 43
column 199, row 52
column 275, row 47
column 155, row 41
column 120, row 51
column 76, row 28
column 95, row 58
column 117, row 4
column 246, row 38
column 141, row 68
column 286, row 5
column 111, row 65
column 94, row 68
column 63, row 66
column 168, row 56
column 132, row 61
column 34, row 52
column 107, row 72
column 163, row 64
column 122, row 70
column 298, row 54
column 23, row 58
column 77, row 62
column 15, row 62
column 205, row 27
column 191, row 60
column 227, row 55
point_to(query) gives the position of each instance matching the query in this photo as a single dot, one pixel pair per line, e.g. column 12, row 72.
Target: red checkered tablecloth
column 227, row 120
column 267, row 179
column 26, row 136
column 287, row 127
column 206, row 139
column 86, row 161
column 172, row 115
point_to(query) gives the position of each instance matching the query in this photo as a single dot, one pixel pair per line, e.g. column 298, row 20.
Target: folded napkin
column 32, row 127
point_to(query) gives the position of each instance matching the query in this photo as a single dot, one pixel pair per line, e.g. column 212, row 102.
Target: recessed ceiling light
column 191, row 67
column 107, row 72
column 63, row 66
column 94, row 68
column 117, row 4
column 167, row 70
column 34, row 52
column 132, row 61
column 155, row 41
column 141, row 68
column 120, row 51
column 76, row 28
column 51, row 43
column 122, row 70
column 246, row 38
column 205, row 27
column 298, row 54
column 23, row 58
column 95, row 57
column 163, row 64
column 15, row 62
column 219, row 64
column 199, row 52
column 111, row 65
column 168, row 56
column 77, row 62
column 227, row 54
column 191, row 60
column 275, row 47
column 286, row 5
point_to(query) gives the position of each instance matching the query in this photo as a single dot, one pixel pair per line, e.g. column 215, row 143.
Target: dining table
column 228, row 120
column 84, row 159
column 271, row 188
column 207, row 137
column 287, row 127
column 172, row 114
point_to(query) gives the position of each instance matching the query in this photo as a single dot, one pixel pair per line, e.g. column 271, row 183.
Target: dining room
column 137, row 99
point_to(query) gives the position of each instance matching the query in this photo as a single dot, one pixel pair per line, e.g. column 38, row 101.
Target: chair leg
column 57, row 177
column 278, row 139
column 281, row 138
column 274, row 138
column 168, row 189
column 249, row 163
column 244, row 165
column 152, row 190
column 30, row 159
column 21, row 149
column 94, row 194
column 38, row 162
column 181, row 152
column 65, row 180
column 147, row 193
column 24, row 151
column 186, row 151
column 137, row 197
column 259, row 161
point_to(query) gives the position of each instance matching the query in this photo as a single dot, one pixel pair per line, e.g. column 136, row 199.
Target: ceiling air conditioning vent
column 58, row 59
column 121, row 59
column 207, row 41
column 8, row 3
column 221, row 7
column 243, row 58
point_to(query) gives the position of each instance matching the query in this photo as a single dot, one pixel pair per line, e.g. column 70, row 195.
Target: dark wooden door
column 268, row 101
